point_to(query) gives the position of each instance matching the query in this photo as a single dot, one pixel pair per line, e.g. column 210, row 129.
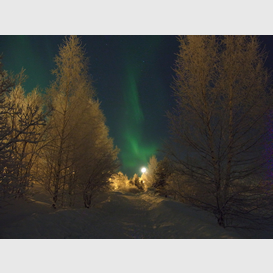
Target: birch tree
column 26, row 120
column 95, row 158
column 79, row 157
column 219, row 127
column 7, row 164
column 20, row 118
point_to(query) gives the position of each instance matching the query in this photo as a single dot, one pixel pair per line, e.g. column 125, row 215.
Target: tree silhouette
column 219, row 125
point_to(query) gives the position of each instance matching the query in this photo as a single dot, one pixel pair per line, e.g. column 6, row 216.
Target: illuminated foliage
column 79, row 158
column 27, row 122
column 21, row 120
column 119, row 181
column 8, row 180
column 149, row 175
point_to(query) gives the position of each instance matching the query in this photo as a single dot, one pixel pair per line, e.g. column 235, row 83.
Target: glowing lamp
column 143, row 169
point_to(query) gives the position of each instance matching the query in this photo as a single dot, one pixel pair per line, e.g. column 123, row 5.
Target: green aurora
column 135, row 152
column 137, row 148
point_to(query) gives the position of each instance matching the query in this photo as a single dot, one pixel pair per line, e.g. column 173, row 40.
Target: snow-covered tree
column 7, row 164
column 95, row 156
column 219, row 124
column 79, row 158
column 26, row 120
column 119, row 181
column 163, row 171
column 138, row 183
column 149, row 175
column 20, row 119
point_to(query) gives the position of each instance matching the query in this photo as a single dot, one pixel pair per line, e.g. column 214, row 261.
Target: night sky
column 132, row 77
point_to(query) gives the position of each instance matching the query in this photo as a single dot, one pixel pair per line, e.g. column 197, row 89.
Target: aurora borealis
column 131, row 75
column 143, row 100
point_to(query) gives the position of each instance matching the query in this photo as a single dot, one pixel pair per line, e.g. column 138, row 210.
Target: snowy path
column 120, row 216
column 133, row 214
column 149, row 217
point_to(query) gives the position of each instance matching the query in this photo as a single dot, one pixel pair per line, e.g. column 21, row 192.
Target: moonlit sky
column 132, row 76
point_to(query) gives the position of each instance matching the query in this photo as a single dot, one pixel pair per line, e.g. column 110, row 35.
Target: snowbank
column 118, row 216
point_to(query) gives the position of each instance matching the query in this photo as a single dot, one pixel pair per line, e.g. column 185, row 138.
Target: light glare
column 143, row 169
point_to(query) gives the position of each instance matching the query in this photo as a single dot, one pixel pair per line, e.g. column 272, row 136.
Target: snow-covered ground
column 118, row 216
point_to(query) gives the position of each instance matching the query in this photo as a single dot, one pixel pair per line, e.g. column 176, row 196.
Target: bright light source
column 143, row 170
